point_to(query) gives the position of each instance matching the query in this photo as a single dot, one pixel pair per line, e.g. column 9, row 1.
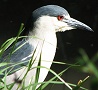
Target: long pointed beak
column 77, row 24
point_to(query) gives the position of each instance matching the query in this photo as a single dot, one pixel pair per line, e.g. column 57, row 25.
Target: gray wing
column 23, row 49
column 23, row 53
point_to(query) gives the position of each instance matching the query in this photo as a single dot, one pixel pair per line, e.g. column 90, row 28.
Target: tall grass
column 7, row 68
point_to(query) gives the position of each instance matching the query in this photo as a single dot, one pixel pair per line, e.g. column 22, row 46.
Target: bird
column 39, row 46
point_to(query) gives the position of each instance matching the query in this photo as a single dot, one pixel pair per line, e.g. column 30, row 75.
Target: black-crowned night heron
column 43, row 25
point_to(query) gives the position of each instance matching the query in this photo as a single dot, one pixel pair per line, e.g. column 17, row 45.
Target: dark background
column 15, row 12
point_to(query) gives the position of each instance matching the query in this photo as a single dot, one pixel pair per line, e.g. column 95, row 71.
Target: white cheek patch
column 62, row 26
column 53, row 23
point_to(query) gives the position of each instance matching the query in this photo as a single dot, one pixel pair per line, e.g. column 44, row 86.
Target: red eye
column 60, row 17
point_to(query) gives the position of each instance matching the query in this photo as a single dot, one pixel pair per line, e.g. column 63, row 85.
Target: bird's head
column 57, row 17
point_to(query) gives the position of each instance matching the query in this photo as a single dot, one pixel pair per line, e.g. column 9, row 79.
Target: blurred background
column 15, row 12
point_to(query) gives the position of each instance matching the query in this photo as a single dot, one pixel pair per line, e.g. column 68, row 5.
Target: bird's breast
column 46, row 48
